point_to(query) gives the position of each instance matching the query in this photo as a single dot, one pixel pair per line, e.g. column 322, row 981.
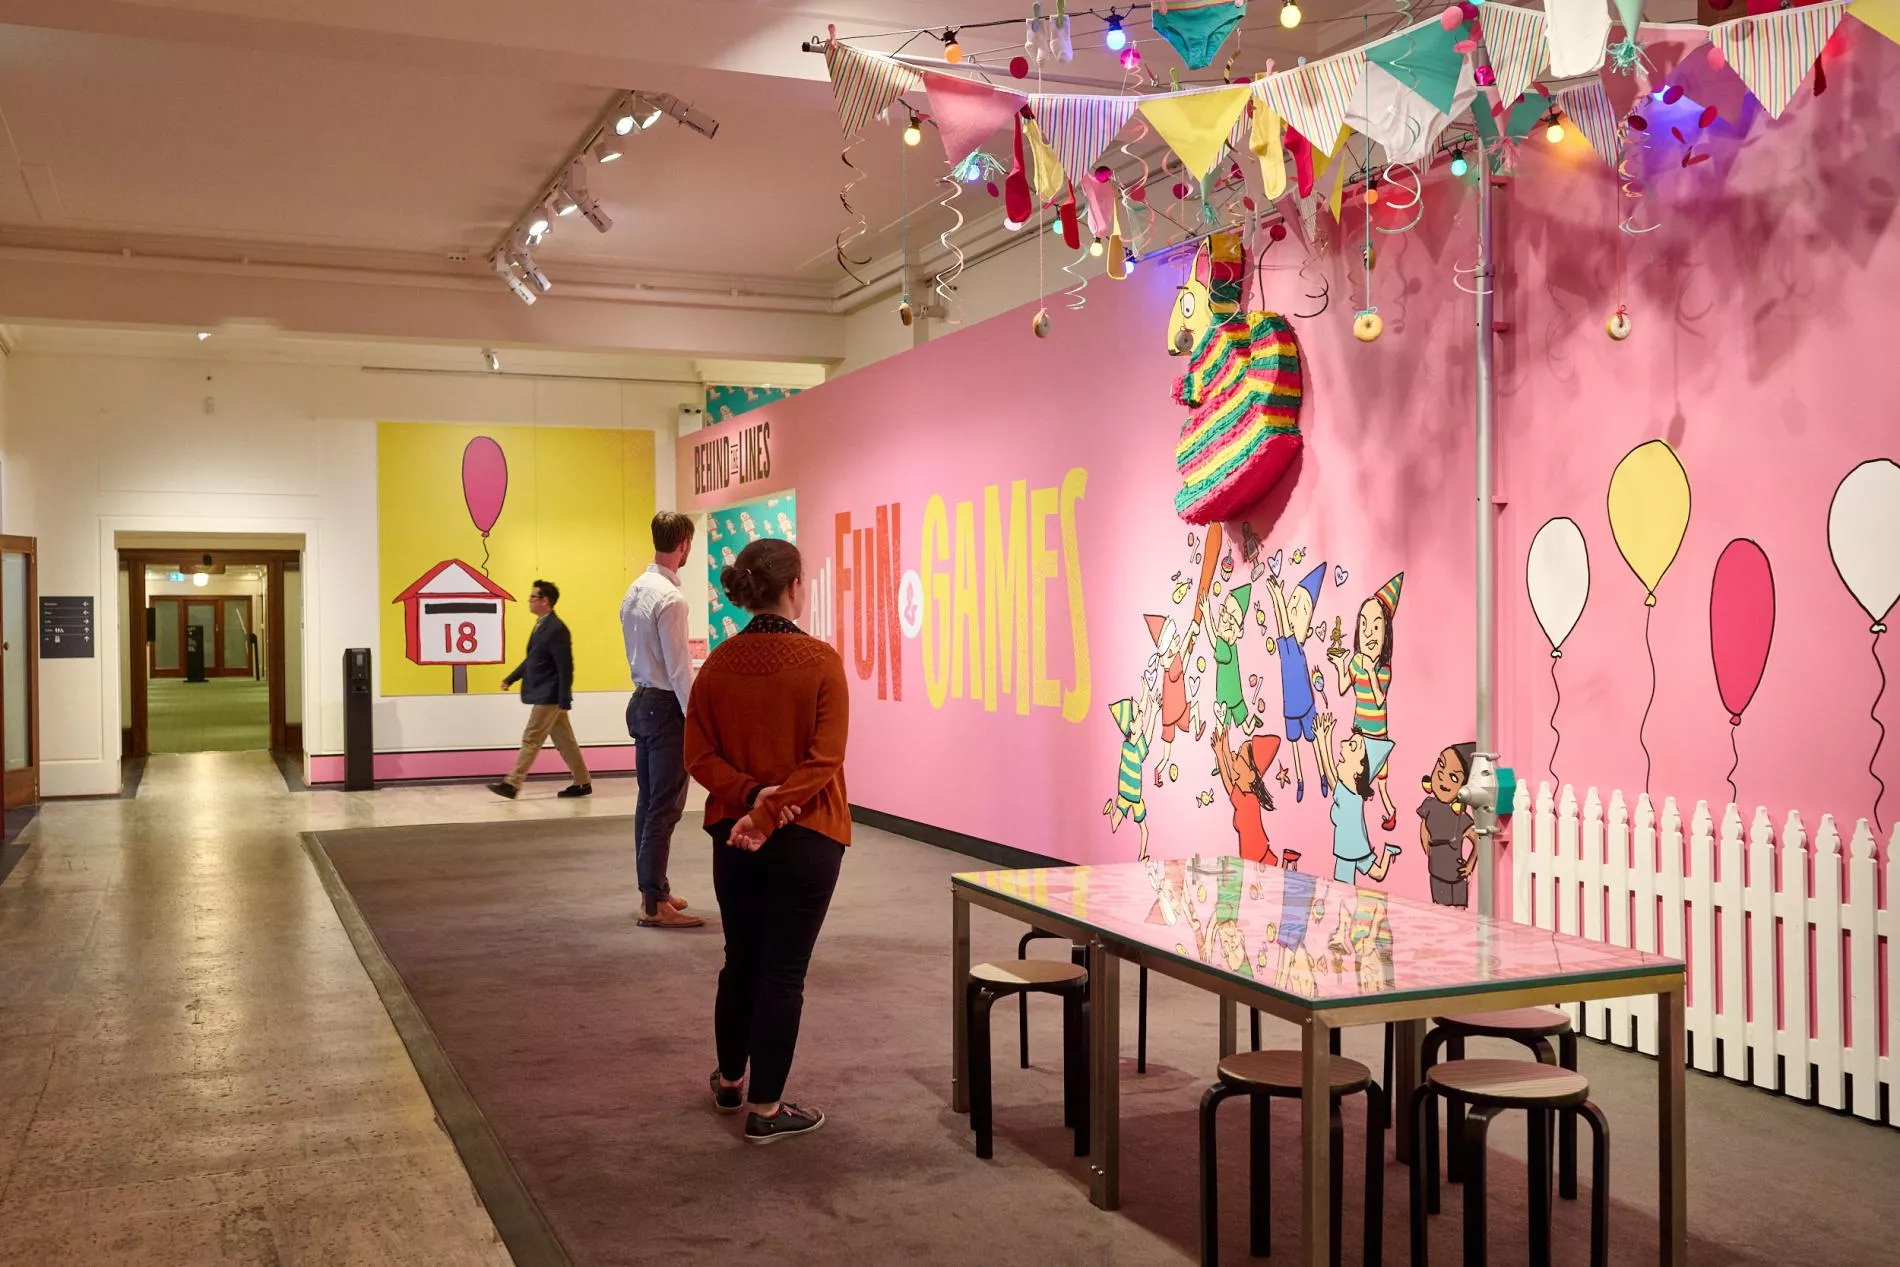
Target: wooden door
column 19, row 672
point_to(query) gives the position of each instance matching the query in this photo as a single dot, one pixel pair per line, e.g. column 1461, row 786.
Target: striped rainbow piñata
column 1243, row 386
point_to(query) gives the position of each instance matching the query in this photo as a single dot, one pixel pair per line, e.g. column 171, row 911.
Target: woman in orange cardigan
column 765, row 736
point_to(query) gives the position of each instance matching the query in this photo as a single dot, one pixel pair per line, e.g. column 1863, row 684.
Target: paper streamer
column 947, row 278
column 1516, row 41
column 1775, row 52
column 1079, row 128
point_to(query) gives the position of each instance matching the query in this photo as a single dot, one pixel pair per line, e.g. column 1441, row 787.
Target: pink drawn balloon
column 484, row 482
column 1741, row 623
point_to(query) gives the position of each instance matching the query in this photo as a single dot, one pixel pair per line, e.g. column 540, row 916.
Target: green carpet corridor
column 221, row 715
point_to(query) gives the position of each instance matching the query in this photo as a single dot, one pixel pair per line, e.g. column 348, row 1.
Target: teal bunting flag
column 1424, row 60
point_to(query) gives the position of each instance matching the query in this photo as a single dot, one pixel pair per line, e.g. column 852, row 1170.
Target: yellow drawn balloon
column 1649, row 511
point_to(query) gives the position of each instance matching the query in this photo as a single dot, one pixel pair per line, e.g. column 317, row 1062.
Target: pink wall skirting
column 472, row 763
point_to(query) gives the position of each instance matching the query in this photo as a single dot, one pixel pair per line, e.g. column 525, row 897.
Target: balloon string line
column 484, row 554
column 1558, row 687
column 1734, row 746
column 1642, row 740
column 1873, row 711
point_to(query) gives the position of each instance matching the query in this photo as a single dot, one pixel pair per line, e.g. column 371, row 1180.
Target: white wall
column 100, row 444
column 992, row 286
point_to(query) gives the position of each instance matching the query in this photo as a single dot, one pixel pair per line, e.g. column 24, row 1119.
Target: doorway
column 212, row 645
column 19, row 672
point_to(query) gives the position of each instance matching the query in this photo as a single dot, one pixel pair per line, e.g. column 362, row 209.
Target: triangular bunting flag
column 1195, row 124
column 1774, row 53
column 1578, row 33
column 1515, row 39
column 1588, row 106
column 1401, row 120
column 864, row 84
column 1313, row 98
column 967, row 113
column 1079, row 128
column 1423, row 60
column 1882, row 15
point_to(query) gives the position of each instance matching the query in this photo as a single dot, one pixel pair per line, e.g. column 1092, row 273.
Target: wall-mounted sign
column 732, row 462
column 66, row 628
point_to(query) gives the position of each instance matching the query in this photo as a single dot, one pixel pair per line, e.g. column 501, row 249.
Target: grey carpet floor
column 586, row 1041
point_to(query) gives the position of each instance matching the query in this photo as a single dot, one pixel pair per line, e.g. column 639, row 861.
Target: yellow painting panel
column 577, row 511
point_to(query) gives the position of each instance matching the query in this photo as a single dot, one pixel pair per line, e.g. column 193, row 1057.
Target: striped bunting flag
column 1079, row 128
column 865, row 83
column 1588, row 106
column 1313, row 98
column 1515, row 39
column 1774, row 53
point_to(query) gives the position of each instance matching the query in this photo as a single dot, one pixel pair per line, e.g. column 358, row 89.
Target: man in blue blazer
column 546, row 675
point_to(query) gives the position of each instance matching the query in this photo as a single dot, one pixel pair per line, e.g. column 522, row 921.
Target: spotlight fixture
column 494, row 361
column 505, row 269
column 200, row 579
column 1116, row 38
column 529, row 269
column 565, row 203
column 636, row 112
column 584, row 202
column 1290, row 14
column 537, row 227
column 608, row 148
column 682, row 113
column 914, row 132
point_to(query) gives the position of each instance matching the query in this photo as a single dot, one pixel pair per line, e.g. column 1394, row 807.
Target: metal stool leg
column 1022, row 1000
column 1083, row 1082
column 979, row 1001
column 1337, row 1206
column 1253, row 1023
column 1539, row 1189
column 1599, row 1183
column 1387, row 1084
column 1567, row 1125
column 1332, row 1042
column 1476, row 1124
column 1260, row 1175
column 1141, row 1026
column 1376, row 1116
column 1454, row 1119
column 1073, row 1110
column 1210, row 1177
column 1426, row 1137
column 1420, row 1108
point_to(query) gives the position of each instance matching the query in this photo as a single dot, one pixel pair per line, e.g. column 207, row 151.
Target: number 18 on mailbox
column 452, row 614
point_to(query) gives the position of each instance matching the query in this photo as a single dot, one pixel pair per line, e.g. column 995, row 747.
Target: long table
column 1323, row 955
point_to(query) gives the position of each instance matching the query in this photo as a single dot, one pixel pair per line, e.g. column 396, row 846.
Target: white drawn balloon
column 910, row 604
column 1863, row 525
column 1558, row 577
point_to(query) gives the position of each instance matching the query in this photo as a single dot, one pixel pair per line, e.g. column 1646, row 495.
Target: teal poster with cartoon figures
column 1268, row 693
column 728, row 531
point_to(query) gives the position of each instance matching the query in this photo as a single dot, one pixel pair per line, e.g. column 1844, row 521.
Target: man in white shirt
column 653, row 622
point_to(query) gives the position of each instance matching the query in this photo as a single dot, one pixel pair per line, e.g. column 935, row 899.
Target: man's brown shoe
column 677, row 903
column 665, row 916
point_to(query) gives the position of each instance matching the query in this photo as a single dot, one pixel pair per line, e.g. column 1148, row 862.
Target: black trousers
column 658, row 729
column 772, row 903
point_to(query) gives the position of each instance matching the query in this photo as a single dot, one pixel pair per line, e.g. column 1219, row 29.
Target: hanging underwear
column 1197, row 28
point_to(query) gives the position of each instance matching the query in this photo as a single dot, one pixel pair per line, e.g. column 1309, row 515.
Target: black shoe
column 789, row 1120
column 725, row 1099
column 505, row 790
column 577, row 789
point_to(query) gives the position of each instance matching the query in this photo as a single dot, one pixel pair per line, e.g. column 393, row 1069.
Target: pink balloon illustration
column 1741, row 627
column 484, row 482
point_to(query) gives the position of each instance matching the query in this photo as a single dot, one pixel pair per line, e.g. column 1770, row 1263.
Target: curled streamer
column 1458, row 274
column 1632, row 188
column 946, row 279
column 1325, row 292
column 1147, row 227
column 1391, row 176
column 1077, row 300
column 856, row 228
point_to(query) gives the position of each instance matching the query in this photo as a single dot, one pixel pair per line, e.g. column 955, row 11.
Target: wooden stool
column 1264, row 1076
column 1080, row 957
column 1333, row 1044
column 989, row 982
column 1532, row 1027
column 1487, row 1088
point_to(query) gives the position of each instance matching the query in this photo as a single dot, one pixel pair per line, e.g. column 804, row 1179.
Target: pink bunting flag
column 1588, row 106
column 967, row 112
column 1515, row 39
column 865, row 84
column 1079, row 128
column 1775, row 52
column 1313, row 98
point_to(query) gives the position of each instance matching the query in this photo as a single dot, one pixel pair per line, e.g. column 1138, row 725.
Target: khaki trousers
column 545, row 722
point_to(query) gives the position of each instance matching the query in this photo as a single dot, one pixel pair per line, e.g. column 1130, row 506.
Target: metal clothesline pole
column 1486, row 580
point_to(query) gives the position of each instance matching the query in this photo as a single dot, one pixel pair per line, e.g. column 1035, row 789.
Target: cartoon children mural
column 1352, row 767
column 1222, row 943
column 1444, row 827
column 1135, row 718
column 1366, row 673
column 1293, row 617
column 1364, row 935
column 1243, row 774
column 1229, row 622
column 1285, row 952
column 1177, row 711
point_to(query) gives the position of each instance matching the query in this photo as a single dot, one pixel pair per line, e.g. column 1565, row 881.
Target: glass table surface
column 1308, row 938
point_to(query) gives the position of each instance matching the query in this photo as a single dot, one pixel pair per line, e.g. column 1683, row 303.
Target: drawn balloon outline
column 1557, row 580
column 1863, row 523
column 1741, row 632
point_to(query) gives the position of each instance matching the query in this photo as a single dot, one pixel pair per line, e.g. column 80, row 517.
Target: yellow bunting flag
column 1882, row 15
column 1045, row 169
column 1336, row 171
column 1195, row 124
column 1265, row 144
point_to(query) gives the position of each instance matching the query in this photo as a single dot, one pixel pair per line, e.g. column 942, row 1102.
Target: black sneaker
column 506, row 790
column 576, row 789
column 789, row 1120
column 726, row 1099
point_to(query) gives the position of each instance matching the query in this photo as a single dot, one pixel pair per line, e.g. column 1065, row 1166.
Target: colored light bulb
column 1116, row 38
column 1290, row 14
column 915, row 132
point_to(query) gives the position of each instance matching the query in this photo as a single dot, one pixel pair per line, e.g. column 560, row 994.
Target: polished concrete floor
column 194, row 1067
column 224, row 714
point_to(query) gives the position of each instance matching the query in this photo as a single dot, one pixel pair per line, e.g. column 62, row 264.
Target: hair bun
column 741, row 586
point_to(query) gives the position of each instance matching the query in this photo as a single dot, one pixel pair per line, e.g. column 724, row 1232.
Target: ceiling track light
column 505, row 269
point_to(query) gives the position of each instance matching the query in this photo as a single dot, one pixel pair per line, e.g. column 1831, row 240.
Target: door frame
column 22, row 787
column 133, row 562
column 182, row 618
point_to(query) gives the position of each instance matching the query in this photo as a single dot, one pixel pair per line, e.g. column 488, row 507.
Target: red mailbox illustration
column 453, row 615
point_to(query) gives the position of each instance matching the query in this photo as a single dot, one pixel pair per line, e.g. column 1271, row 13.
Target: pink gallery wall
column 1762, row 352
column 1385, row 486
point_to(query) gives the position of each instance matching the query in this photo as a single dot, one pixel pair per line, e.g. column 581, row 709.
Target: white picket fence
column 1785, row 940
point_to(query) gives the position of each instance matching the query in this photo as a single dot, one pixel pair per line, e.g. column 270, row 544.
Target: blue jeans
column 658, row 728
